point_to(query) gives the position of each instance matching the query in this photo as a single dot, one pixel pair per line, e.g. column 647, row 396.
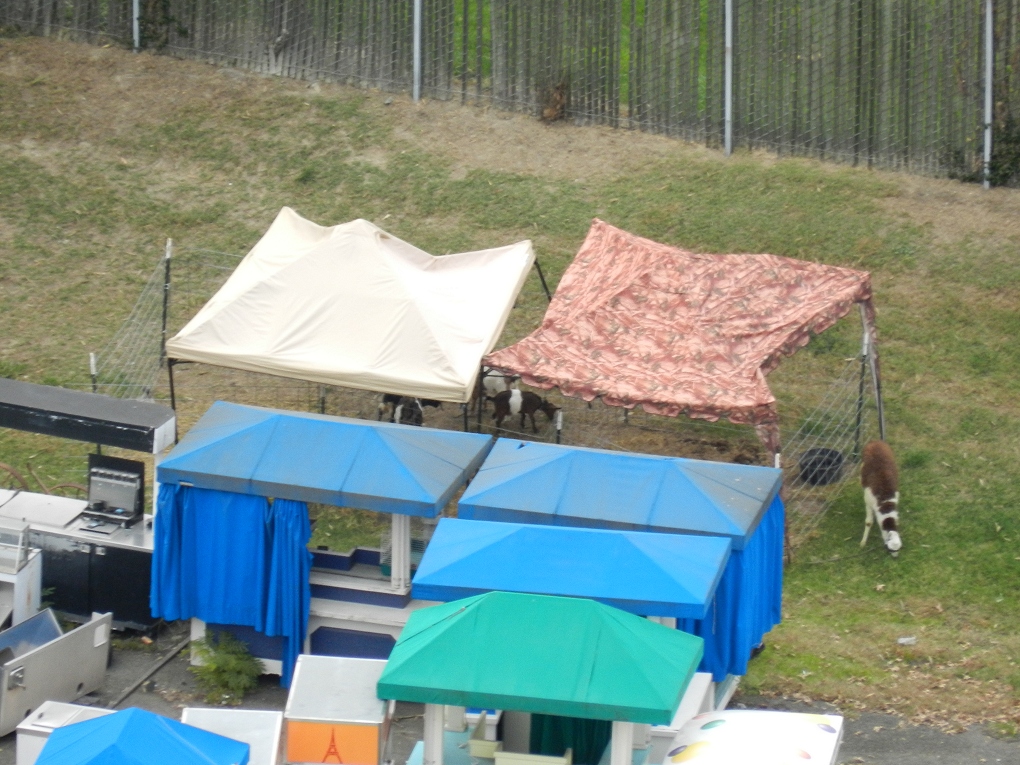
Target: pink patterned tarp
column 639, row 323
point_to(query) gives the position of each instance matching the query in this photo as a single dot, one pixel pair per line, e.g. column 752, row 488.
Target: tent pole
column 400, row 552
column 541, row 276
column 173, row 395
column 559, row 425
column 464, row 409
column 481, row 395
column 433, row 735
column 622, row 743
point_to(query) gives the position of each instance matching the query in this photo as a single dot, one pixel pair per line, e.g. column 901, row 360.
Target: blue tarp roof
column 529, row 482
column 136, row 737
column 646, row 574
column 317, row 458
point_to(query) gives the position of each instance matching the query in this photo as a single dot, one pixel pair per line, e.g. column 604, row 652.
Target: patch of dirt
column 481, row 137
column 954, row 211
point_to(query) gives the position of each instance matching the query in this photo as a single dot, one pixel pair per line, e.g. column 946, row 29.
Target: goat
column 490, row 383
column 408, row 412
column 391, row 401
column 387, row 404
column 526, row 403
column 880, row 480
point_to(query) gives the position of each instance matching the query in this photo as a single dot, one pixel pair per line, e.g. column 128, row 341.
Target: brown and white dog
column 880, row 480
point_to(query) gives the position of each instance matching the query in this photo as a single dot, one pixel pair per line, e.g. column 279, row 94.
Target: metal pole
column 875, row 379
column 93, row 370
column 480, row 396
column 860, row 397
column 166, row 296
column 728, row 81
column 541, row 276
column 989, row 68
column 173, row 394
column 136, row 32
column 416, row 87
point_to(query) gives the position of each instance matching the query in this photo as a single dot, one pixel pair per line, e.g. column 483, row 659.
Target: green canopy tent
column 571, row 657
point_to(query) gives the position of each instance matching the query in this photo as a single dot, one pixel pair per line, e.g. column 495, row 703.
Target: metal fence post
column 416, row 87
column 136, row 32
column 989, row 68
column 728, row 81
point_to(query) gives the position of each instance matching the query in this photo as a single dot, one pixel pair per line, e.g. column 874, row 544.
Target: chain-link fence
column 898, row 85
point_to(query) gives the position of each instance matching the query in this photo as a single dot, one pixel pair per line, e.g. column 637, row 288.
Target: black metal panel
column 65, row 573
column 81, row 416
column 80, row 578
column 119, row 581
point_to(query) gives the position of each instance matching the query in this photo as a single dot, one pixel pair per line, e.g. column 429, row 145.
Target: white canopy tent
column 353, row 306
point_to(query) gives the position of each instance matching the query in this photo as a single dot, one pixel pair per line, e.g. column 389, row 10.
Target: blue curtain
column 164, row 589
column 231, row 558
column 287, row 606
column 748, row 600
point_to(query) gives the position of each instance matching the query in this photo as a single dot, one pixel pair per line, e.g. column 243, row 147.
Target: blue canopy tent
column 135, row 737
column 647, row 574
column 527, row 482
column 223, row 554
column 318, row 458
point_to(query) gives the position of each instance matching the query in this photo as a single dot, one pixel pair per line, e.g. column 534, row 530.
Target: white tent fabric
column 353, row 306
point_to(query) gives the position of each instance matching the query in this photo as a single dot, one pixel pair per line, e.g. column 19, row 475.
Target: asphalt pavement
column 869, row 738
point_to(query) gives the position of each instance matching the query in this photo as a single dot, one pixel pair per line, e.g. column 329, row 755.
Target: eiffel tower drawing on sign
column 332, row 751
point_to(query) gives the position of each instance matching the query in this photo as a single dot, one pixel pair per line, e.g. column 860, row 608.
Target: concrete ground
column 871, row 739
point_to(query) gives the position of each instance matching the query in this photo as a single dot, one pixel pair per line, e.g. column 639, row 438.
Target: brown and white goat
column 880, row 480
column 404, row 409
column 525, row 403
column 491, row 383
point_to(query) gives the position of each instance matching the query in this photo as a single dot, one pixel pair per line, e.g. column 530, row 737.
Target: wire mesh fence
column 897, row 85
column 823, row 452
column 831, row 419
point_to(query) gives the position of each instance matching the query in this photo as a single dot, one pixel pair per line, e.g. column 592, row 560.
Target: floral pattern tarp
column 638, row 323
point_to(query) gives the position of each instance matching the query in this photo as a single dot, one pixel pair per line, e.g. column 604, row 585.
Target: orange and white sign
column 332, row 742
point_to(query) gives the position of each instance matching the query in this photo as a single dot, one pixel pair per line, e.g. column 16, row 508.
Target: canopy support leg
column 622, row 743
column 400, row 552
column 173, row 395
column 433, row 735
column 541, row 276
column 481, row 396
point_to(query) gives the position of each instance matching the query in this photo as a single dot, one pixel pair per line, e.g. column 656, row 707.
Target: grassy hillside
column 104, row 154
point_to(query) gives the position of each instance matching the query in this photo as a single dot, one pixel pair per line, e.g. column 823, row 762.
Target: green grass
column 341, row 529
column 88, row 197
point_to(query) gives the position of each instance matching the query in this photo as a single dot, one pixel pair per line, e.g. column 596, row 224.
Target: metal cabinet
column 83, row 576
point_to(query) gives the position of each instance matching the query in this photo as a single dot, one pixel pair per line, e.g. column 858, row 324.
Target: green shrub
column 228, row 670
